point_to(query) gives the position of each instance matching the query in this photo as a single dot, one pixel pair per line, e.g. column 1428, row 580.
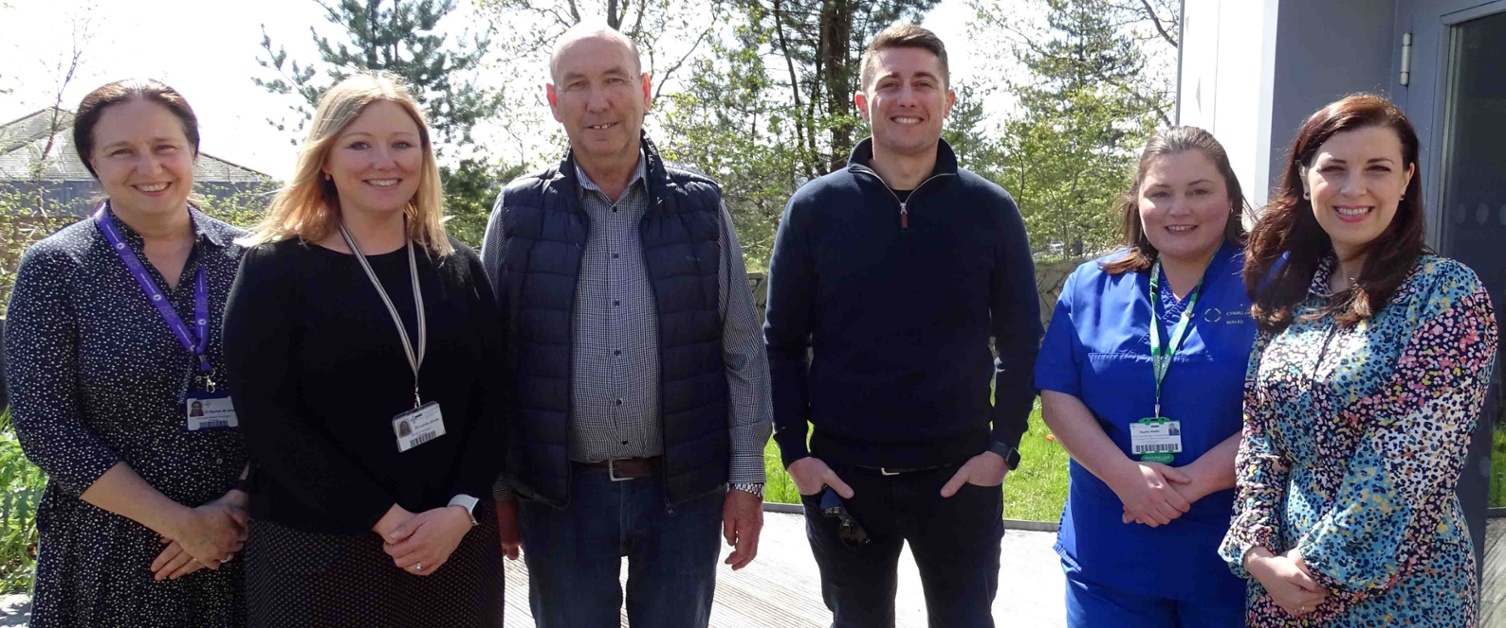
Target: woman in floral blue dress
column 1366, row 382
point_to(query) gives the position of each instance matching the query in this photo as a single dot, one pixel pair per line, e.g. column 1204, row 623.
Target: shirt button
column 616, row 302
column 219, row 461
column 618, row 401
column 617, row 352
column 614, row 256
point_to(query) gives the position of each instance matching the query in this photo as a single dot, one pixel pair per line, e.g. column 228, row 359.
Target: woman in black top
column 355, row 523
column 140, row 496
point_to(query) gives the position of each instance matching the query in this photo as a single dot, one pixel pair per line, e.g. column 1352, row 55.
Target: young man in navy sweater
column 888, row 280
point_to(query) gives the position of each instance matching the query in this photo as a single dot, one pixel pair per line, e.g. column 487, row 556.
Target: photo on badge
column 418, row 426
column 209, row 411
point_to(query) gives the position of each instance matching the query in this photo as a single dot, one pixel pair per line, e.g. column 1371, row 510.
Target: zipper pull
column 904, row 217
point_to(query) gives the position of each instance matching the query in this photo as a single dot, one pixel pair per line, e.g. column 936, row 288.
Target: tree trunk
column 836, row 51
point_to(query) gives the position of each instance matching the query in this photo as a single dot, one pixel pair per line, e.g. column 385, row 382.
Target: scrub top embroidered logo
column 1229, row 317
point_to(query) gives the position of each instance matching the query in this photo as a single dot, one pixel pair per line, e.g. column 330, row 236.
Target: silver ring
column 418, row 566
column 227, row 558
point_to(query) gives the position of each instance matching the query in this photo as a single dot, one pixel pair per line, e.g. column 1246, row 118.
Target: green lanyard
column 1160, row 357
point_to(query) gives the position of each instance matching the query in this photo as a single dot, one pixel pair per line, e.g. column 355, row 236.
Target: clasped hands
column 203, row 537
column 1287, row 579
column 1154, row 494
column 421, row 543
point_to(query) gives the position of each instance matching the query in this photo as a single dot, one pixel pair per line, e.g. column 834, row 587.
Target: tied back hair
column 1173, row 141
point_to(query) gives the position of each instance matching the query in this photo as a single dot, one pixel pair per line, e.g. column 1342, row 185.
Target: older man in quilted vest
column 636, row 362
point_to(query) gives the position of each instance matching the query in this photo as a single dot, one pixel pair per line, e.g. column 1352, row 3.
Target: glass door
column 1456, row 96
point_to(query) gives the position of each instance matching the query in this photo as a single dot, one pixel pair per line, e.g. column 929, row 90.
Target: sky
column 208, row 51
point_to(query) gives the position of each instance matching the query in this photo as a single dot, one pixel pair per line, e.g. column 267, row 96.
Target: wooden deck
column 781, row 588
column 1493, row 578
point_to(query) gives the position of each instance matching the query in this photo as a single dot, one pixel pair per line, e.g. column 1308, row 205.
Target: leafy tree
column 402, row 38
column 766, row 103
column 815, row 47
column 399, row 37
column 669, row 34
column 471, row 186
column 1086, row 105
column 770, row 107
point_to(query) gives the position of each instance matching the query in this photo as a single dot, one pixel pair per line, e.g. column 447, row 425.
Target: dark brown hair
column 903, row 36
column 94, row 105
column 1173, row 141
column 1289, row 229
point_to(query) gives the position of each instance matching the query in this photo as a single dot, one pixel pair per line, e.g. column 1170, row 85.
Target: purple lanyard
column 185, row 336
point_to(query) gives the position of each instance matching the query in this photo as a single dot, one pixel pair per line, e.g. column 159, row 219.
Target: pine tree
column 1085, row 107
column 398, row 37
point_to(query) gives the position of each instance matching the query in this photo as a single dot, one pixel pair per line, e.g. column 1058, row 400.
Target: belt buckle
column 884, row 471
column 612, row 471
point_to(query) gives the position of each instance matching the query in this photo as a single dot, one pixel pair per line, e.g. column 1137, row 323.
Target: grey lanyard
column 415, row 357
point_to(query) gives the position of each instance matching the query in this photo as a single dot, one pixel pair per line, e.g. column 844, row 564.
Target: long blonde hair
column 308, row 206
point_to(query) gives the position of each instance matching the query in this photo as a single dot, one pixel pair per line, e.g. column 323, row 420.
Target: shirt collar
column 203, row 228
column 639, row 174
column 207, row 229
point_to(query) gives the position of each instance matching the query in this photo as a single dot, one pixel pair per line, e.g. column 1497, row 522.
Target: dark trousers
column 955, row 543
column 575, row 555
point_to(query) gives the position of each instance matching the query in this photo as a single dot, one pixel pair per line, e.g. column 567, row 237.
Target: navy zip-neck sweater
column 880, row 315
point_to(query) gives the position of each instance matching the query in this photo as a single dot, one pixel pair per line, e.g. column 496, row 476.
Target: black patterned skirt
column 296, row 579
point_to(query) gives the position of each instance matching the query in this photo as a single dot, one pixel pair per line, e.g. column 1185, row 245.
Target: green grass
column 1035, row 491
column 1498, row 467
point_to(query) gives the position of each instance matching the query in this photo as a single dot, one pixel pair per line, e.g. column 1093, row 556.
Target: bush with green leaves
column 21, row 485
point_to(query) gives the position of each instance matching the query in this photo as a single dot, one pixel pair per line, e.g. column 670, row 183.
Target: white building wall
column 1227, row 70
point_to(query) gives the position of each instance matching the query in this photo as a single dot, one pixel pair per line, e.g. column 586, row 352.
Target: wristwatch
column 469, row 503
column 749, row 487
column 1011, row 455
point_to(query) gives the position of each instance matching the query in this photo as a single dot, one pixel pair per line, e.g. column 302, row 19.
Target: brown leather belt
column 623, row 469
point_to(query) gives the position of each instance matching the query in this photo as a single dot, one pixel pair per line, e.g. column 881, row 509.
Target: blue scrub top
column 1098, row 350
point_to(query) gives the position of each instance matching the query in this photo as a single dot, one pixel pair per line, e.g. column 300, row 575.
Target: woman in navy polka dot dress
column 113, row 328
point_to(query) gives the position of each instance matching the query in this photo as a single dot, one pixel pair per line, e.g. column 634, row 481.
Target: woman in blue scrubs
column 1141, row 377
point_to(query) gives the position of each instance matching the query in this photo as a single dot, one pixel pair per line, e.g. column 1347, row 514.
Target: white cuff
column 465, row 500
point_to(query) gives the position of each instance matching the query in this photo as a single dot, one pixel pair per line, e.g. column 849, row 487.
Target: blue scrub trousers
column 1092, row 605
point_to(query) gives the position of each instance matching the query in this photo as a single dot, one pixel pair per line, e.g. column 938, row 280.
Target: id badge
column 418, row 426
column 1156, row 439
column 209, row 411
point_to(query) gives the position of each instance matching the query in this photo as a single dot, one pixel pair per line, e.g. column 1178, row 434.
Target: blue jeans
column 575, row 555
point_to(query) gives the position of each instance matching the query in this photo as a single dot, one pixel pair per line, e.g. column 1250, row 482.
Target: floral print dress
column 1353, row 443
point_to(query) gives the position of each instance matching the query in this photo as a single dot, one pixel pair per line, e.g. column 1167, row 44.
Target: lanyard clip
column 416, row 401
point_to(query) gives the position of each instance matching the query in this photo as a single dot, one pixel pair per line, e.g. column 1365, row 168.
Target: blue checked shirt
column 615, row 403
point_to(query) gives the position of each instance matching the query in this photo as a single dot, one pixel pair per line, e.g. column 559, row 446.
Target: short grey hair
column 587, row 30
